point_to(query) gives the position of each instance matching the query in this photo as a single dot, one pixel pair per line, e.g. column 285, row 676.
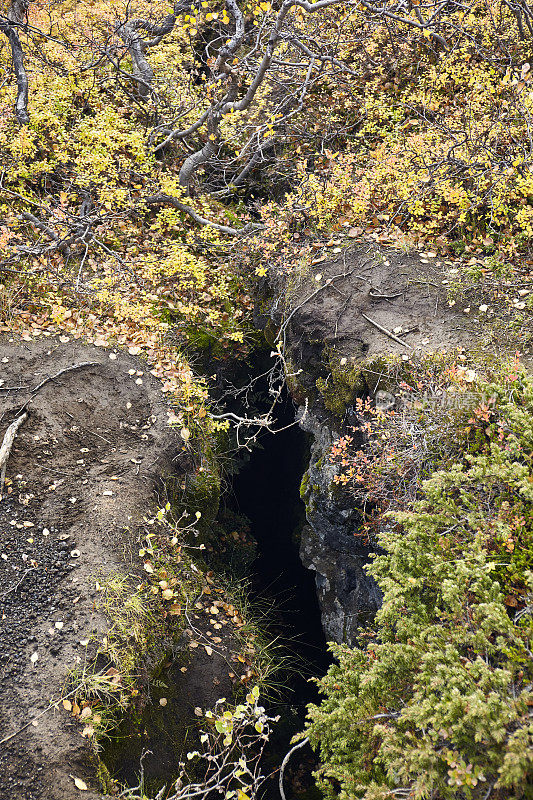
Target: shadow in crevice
column 266, row 491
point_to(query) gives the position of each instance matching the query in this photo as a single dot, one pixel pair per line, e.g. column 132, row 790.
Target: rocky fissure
column 94, row 455
column 343, row 323
column 329, row 544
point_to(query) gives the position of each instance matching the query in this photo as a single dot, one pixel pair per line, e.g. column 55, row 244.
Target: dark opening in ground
column 267, row 492
column 265, row 496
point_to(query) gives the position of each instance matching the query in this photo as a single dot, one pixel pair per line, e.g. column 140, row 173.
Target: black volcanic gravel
column 29, row 574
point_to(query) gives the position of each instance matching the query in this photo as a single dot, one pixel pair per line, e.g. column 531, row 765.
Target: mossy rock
column 348, row 380
column 342, row 386
column 304, row 486
column 103, row 776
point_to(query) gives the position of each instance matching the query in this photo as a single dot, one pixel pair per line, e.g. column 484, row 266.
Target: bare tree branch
column 8, row 26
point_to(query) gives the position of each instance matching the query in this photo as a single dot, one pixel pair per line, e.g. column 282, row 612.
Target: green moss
column 103, row 776
column 198, row 491
column 304, row 486
column 348, row 381
column 202, row 491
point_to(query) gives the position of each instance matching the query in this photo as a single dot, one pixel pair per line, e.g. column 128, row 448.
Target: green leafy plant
column 435, row 702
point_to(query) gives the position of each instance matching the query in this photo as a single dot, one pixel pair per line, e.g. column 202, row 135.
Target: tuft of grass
column 132, row 622
column 271, row 658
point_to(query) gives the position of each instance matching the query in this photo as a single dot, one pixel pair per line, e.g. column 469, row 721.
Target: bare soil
column 82, row 473
column 332, row 305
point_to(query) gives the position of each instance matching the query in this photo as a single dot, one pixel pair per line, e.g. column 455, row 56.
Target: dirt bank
column 82, row 474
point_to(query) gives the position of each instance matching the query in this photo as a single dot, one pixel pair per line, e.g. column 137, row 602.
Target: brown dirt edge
column 90, row 432
column 334, row 305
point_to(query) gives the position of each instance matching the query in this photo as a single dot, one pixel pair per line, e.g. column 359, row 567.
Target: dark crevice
column 263, row 499
column 267, row 492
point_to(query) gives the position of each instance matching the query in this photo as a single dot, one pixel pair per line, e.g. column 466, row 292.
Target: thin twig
column 7, row 444
column 53, row 704
column 53, row 377
column 286, row 761
column 16, row 586
column 386, row 331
